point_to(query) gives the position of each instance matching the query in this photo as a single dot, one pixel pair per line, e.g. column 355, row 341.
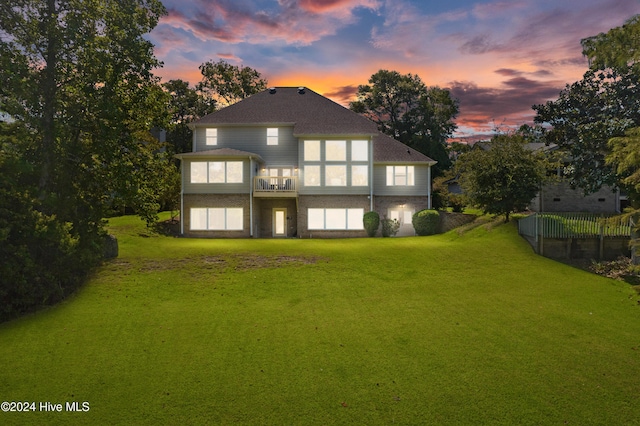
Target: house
column 558, row 196
column 288, row 162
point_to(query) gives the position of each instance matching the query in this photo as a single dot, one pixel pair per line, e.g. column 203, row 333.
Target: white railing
column 265, row 185
column 572, row 225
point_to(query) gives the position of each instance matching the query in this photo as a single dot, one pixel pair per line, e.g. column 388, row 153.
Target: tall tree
column 597, row 108
column 227, row 84
column 409, row 111
column 185, row 106
column 617, row 49
column 78, row 76
column 503, row 178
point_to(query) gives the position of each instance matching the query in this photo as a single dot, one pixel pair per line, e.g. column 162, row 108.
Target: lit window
column 211, row 136
column 311, row 175
column 272, row 136
column 336, row 175
column 336, row 150
column 359, row 151
column 400, row 176
column 335, row 219
column 199, row 172
column 217, row 219
column 311, row 150
column 198, row 219
column 359, row 175
column 217, row 172
column 234, row 172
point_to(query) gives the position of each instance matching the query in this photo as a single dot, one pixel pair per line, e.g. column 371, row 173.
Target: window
column 359, row 151
column 211, row 136
column 311, row 175
column 217, row 219
column 217, row 172
column 199, row 172
column 359, row 175
column 311, row 150
column 272, row 136
column 335, row 175
column 336, row 150
column 335, row 219
column 400, row 176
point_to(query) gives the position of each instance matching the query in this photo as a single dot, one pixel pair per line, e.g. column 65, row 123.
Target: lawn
column 449, row 329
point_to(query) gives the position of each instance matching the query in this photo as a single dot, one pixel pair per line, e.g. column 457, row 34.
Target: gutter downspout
column 429, row 187
column 371, row 174
column 251, row 180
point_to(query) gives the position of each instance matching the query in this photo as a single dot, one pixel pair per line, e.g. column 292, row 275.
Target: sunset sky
column 497, row 57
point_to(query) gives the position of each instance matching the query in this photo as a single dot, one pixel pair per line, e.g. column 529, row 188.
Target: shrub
column 371, row 222
column 390, row 227
column 426, row 222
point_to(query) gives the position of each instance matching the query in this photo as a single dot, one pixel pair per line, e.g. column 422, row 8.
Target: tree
column 227, row 84
column 597, row 108
column 185, row 106
column 625, row 158
column 406, row 109
column 616, row 49
column 77, row 77
column 503, row 178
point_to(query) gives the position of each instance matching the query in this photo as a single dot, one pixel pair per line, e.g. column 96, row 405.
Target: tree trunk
column 49, row 92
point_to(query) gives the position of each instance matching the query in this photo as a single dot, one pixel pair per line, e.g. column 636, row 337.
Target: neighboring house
column 559, row 196
column 288, row 162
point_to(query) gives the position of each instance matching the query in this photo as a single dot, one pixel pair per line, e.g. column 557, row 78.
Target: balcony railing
column 275, row 186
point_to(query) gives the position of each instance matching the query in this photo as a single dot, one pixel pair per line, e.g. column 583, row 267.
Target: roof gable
column 309, row 113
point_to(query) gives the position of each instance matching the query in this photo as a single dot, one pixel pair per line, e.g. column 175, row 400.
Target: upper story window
column 311, row 150
column 272, row 136
column 211, row 136
column 359, row 151
column 216, row 172
column 336, row 150
column 400, row 176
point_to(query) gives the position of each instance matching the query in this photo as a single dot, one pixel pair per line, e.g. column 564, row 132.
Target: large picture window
column 400, row 176
column 217, row 172
column 311, row 150
column 335, row 219
column 336, row 175
column 217, row 219
column 359, row 175
column 311, row 175
column 336, row 150
column 359, row 151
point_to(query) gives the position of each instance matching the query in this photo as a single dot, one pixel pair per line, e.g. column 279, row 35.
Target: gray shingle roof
column 388, row 150
column 311, row 114
column 220, row 152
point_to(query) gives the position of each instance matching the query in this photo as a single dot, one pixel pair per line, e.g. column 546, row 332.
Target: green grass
column 449, row 329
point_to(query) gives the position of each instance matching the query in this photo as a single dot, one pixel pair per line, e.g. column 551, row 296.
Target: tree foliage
column 503, row 178
column 186, row 105
column 597, row 108
column 625, row 158
column 76, row 80
column 616, row 49
column 227, row 84
column 406, row 109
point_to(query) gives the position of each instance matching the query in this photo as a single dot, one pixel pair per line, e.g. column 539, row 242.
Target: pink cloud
column 297, row 22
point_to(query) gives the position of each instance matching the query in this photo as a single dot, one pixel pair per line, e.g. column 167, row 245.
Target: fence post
column 601, row 228
column 635, row 259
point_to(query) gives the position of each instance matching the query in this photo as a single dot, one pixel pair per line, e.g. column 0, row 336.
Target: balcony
column 275, row 186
